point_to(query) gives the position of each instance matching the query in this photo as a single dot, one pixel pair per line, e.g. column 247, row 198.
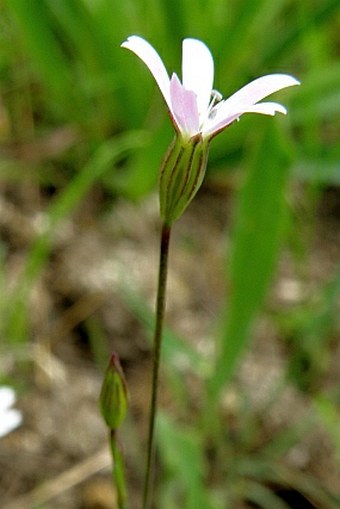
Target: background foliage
column 77, row 112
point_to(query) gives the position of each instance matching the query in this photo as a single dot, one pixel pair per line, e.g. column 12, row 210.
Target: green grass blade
column 181, row 452
column 42, row 43
column 263, row 497
column 259, row 225
column 252, row 23
column 284, row 44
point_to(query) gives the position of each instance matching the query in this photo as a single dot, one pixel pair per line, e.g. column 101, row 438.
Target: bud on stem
column 113, row 402
column 182, row 173
column 113, row 396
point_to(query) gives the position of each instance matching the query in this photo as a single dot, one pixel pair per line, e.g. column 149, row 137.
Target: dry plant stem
column 160, row 308
column 47, row 491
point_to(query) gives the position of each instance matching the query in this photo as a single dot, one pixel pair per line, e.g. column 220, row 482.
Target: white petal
column 266, row 108
column 7, row 397
column 152, row 60
column 245, row 99
column 255, row 91
column 198, row 72
column 9, row 421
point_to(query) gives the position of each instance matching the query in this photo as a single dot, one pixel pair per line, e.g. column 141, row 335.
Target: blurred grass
column 61, row 67
column 259, row 225
column 101, row 162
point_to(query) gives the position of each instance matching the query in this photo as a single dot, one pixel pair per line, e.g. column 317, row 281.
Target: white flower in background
column 9, row 417
column 194, row 106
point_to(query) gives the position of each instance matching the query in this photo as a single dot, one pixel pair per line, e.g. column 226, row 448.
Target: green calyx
column 182, row 173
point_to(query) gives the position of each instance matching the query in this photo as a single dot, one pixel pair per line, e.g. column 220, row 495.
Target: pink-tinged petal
column 214, row 127
column 198, row 72
column 184, row 107
column 266, row 108
column 152, row 60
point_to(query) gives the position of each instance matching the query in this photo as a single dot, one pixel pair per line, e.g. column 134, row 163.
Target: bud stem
column 118, row 470
column 160, row 308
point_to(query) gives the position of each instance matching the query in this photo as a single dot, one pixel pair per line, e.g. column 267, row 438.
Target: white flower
column 9, row 417
column 193, row 104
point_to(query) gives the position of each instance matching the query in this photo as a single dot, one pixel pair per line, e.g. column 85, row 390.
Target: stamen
column 216, row 97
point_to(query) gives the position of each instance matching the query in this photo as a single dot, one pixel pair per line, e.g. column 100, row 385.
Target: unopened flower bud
column 182, row 173
column 114, row 396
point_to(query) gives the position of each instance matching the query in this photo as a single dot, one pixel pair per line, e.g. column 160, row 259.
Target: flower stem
column 160, row 308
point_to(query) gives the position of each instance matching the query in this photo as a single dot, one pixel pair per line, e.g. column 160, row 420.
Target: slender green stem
column 118, row 470
column 160, row 308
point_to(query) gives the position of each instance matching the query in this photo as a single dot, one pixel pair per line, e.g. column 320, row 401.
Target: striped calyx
column 181, row 176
